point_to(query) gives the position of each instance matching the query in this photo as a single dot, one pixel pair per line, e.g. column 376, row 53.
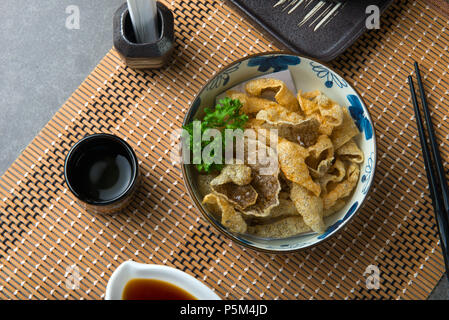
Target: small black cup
column 102, row 171
column 144, row 55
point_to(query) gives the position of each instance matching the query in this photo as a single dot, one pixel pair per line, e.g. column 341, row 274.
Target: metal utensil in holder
column 144, row 55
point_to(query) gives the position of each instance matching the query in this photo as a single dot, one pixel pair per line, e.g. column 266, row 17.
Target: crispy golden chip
column 329, row 113
column 262, row 133
column 323, row 101
column 240, row 196
column 342, row 189
column 283, row 95
column 233, row 184
column 311, row 94
column 328, row 123
column 254, row 123
column 336, row 173
column 251, row 104
column 304, row 133
column 286, row 208
column 237, row 173
column 267, row 188
column 325, row 128
column 350, row 151
column 320, row 158
column 291, row 127
column 309, row 206
column 275, row 115
column 345, row 132
column 230, row 218
column 338, row 205
column 306, row 102
column 292, row 162
column 285, row 185
column 284, row 194
column 282, row 228
column 333, row 115
column 316, row 163
column 210, row 203
column 265, row 179
column 203, row 181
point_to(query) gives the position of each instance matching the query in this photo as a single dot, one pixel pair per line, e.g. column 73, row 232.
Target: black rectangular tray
column 319, row 29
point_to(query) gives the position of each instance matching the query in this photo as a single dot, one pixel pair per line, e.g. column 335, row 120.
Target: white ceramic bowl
column 308, row 75
column 130, row 270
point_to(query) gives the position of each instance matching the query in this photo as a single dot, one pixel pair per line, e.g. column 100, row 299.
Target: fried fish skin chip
column 240, row 196
column 320, row 158
column 344, row 188
column 204, row 181
column 239, row 174
column 328, row 112
column 275, row 115
column 291, row 125
column 306, row 102
column 230, row 218
column 309, row 206
column 330, row 119
column 332, row 115
column 304, row 133
column 233, row 184
column 254, row 123
column 345, row 132
column 283, row 95
column 282, row 228
column 262, row 160
column 338, row 205
column 286, row 208
column 250, row 104
column 292, row 162
column 351, row 152
column 336, row 173
column 311, row 94
column 267, row 188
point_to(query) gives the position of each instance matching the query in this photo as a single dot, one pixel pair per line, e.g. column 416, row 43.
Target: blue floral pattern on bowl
column 276, row 62
column 359, row 117
column 331, row 78
column 367, row 172
column 222, row 78
column 339, row 222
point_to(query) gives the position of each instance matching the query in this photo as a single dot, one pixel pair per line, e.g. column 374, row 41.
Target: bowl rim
column 197, row 203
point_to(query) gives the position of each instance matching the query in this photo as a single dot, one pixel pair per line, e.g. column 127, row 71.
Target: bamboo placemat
column 43, row 231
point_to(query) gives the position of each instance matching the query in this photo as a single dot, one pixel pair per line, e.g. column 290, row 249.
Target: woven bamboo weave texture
column 43, row 231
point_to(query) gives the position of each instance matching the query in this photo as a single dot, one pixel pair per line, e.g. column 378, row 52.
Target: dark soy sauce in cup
column 153, row 289
column 103, row 173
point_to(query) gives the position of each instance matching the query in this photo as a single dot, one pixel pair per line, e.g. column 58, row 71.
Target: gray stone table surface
column 42, row 62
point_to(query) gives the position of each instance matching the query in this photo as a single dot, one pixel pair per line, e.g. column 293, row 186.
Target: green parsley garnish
column 225, row 115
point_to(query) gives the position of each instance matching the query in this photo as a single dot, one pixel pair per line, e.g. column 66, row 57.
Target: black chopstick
column 433, row 142
column 437, row 183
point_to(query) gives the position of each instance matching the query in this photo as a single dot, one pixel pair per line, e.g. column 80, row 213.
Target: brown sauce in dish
column 152, row 289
